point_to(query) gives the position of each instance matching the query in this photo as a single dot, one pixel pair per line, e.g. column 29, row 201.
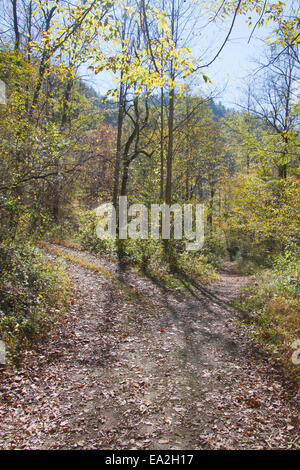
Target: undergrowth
column 272, row 306
column 144, row 256
column 33, row 293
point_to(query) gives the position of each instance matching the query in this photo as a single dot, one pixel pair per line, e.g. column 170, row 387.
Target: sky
column 230, row 70
column 237, row 62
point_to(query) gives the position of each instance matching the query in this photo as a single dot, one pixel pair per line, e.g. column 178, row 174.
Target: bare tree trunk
column 125, row 178
column 168, row 194
column 119, row 144
column 161, row 196
column 16, row 26
column 211, row 206
column 282, row 171
column 29, row 32
column 65, row 118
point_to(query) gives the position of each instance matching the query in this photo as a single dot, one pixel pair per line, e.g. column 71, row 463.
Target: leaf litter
column 161, row 369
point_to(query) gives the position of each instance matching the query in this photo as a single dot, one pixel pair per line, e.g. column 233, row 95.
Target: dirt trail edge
column 134, row 365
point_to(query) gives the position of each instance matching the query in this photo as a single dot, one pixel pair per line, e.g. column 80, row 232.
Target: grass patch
column 130, row 292
column 83, row 262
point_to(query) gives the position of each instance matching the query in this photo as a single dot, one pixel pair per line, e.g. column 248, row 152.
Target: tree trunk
column 16, row 26
column 119, row 144
column 168, row 194
column 65, row 118
column 161, row 196
column 211, row 206
column 282, row 171
column 125, row 178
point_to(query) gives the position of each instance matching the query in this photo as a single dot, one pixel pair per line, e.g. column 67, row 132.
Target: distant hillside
column 218, row 109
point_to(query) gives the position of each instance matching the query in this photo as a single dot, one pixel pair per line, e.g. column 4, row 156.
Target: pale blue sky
column 231, row 68
column 237, row 61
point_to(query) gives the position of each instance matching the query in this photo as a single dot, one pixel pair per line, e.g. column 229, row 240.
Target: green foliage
column 286, row 274
column 272, row 306
column 146, row 255
column 58, row 159
column 10, row 210
column 86, row 236
column 41, row 155
column 33, row 293
column 61, row 232
column 178, row 269
column 263, row 218
column 196, row 267
column 214, row 248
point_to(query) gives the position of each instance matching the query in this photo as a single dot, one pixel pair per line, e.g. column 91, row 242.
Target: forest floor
column 135, row 365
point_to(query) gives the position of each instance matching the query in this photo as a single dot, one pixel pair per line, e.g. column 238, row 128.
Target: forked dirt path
column 137, row 366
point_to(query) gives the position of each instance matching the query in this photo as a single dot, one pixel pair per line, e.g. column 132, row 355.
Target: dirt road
column 138, row 366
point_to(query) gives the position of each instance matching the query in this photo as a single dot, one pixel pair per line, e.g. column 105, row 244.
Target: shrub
column 86, row 235
column 9, row 213
column 146, row 254
column 62, row 231
column 33, row 292
column 272, row 306
column 150, row 255
column 214, row 249
column 262, row 219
